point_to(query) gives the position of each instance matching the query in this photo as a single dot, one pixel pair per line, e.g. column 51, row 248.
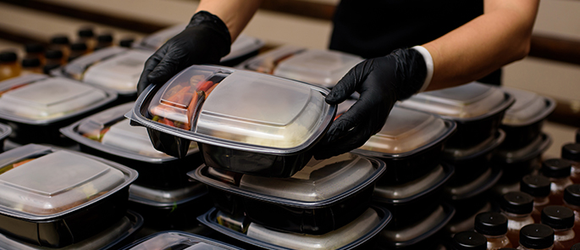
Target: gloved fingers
column 349, row 83
column 150, row 64
column 355, row 138
column 167, row 67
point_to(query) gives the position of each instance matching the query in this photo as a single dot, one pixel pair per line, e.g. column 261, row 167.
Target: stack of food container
column 163, row 193
column 178, row 240
column 478, row 110
column 256, row 133
column 36, row 106
column 54, row 198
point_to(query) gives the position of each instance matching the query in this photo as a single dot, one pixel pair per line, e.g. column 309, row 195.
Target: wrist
column 410, row 72
column 428, row 64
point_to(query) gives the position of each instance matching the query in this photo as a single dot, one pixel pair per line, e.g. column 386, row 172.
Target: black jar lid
column 571, row 151
column 556, row 168
column 53, row 54
column 535, row 185
column 49, row 67
column 575, row 247
column 60, row 39
column 469, row 240
column 8, row 56
column 578, row 136
column 86, row 32
column 558, row 217
column 536, row 236
column 491, row 223
column 78, row 46
column 31, row 62
column 572, row 194
column 34, row 48
column 126, row 42
column 517, row 203
column 105, row 38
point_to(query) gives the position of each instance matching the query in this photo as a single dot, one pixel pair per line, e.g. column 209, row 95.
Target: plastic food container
column 5, row 131
column 520, row 162
column 36, row 106
column 243, row 121
column 242, row 48
column 413, row 201
column 465, row 212
column 110, row 238
column 358, row 234
column 114, row 68
column 523, row 121
column 413, row 234
column 410, row 143
column 108, row 134
column 178, row 240
column 321, row 67
column 484, row 182
column 54, row 198
column 177, row 208
column 322, row 197
column 478, row 110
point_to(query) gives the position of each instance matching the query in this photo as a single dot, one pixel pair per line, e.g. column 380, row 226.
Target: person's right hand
column 205, row 40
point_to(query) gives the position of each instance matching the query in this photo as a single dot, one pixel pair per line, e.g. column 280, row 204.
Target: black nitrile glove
column 205, row 40
column 380, row 82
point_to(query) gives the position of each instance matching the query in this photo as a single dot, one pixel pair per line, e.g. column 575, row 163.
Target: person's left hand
column 380, row 82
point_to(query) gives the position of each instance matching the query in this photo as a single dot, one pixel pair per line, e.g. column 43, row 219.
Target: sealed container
column 517, row 163
column 536, row 237
column 414, row 200
column 523, row 121
column 478, row 110
column 9, row 66
column 54, row 198
column 36, row 106
column 465, row 212
column 114, row 68
column 5, row 131
column 178, row 240
column 322, row 197
column 251, row 123
column 108, row 134
column 110, row 238
column 268, row 61
column 413, row 234
column 357, row 234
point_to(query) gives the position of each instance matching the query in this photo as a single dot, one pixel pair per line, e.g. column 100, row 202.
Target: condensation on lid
column 321, row 67
column 56, row 182
column 181, row 240
column 465, row 101
column 318, row 180
column 120, row 72
column 50, row 98
column 529, row 107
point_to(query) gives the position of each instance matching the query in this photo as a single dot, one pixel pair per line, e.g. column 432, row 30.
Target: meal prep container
column 478, row 110
column 114, row 68
column 108, row 134
column 5, row 131
column 358, row 234
column 465, row 212
column 54, row 198
column 251, row 123
column 520, row 162
column 523, row 121
column 324, row 196
column 413, row 201
column 110, row 238
column 412, row 235
column 178, row 240
column 485, row 181
column 410, row 143
column 177, row 208
column 242, row 48
column 37, row 106
column 321, row 67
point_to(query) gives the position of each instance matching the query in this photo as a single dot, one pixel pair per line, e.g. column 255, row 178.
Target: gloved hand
column 380, row 82
column 206, row 39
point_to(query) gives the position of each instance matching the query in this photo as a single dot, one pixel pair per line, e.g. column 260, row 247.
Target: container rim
column 496, row 173
column 190, row 235
column 550, row 106
column 141, row 200
column 449, row 213
column 545, row 142
column 498, row 138
column 5, row 131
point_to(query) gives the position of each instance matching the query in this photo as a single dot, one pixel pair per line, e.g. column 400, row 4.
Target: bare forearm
column 498, row 37
column 234, row 13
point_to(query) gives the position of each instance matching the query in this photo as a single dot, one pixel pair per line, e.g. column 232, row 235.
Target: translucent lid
column 407, row 191
column 155, row 40
column 179, row 240
column 163, row 198
column 268, row 61
column 39, row 182
column 484, row 147
column 246, row 110
column 421, row 229
column 528, row 152
column 50, row 99
column 466, row 102
column 321, row 67
column 76, row 68
column 528, row 108
column 319, row 183
column 119, row 73
column 242, row 46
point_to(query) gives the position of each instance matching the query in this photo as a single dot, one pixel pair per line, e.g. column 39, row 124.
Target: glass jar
column 536, row 237
column 558, row 170
column 571, row 152
column 494, row 227
column 9, row 66
column 537, row 186
column 561, row 219
column 517, row 208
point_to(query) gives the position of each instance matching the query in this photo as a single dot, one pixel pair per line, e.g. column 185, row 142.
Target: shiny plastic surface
column 528, row 108
column 268, row 61
column 76, row 68
column 178, row 240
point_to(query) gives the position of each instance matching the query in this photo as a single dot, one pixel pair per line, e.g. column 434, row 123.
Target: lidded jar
column 517, row 207
column 558, row 170
column 536, row 237
column 494, row 227
column 561, row 219
column 537, row 186
column 468, row 240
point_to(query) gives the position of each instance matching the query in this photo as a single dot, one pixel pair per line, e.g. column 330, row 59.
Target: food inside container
column 236, row 111
column 178, row 240
column 321, row 197
column 353, row 235
column 46, row 187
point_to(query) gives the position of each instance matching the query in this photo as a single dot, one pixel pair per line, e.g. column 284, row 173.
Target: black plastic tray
column 455, row 192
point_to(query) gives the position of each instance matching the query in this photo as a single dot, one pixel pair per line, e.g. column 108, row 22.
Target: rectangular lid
column 320, row 67
column 41, row 182
column 466, row 102
column 242, row 46
column 119, row 73
column 76, row 68
column 528, row 108
column 179, row 240
column 268, row 61
column 155, row 40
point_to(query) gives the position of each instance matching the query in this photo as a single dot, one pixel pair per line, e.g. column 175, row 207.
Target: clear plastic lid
column 179, row 240
column 528, row 108
column 243, row 109
column 155, row 40
column 427, row 182
column 534, row 149
column 39, row 182
column 491, row 143
column 160, row 198
column 421, row 229
column 49, row 99
column 466, row 102
column 319, row 183
column 76, row 68
column 242, row 46
column 120, row 73
column 320, row 67
column 268, row 61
